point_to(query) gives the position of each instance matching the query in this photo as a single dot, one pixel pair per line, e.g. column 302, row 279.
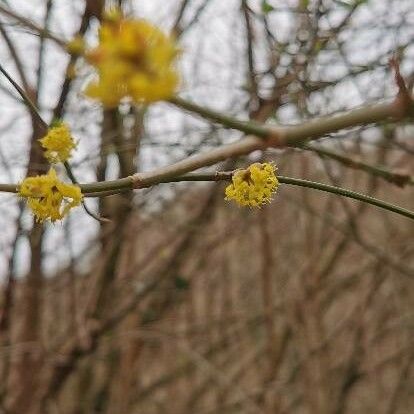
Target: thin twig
column 398, row 178
column 105, row 188
column 28, row 102
column 30, row 25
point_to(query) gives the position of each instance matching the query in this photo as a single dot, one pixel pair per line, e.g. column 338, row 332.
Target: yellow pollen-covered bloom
column 48, row 197
column 133, row 59
column 58, row 144
column 76, row 46
column 253, row 186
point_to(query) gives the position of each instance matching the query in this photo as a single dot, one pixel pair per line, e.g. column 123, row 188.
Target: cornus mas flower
column 48, row 197
column 76, row 46
column 134, row 59
column 58, row 144
column 253, row 186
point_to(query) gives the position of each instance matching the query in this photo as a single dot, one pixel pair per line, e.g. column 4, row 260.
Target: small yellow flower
column 48, row 197
column 133, row 59
column 71, row 71
column 76, row 46
column 253, row 186
column 58, row 144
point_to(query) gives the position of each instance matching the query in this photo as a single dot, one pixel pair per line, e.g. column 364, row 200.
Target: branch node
column 275, row 138
column 136, row 181
column 403, row 102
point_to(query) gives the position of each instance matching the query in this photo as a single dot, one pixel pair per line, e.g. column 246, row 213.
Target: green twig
column 114, row 187
column 72, row 177
column 106, row 188
column 397, row 178
column 347, row 193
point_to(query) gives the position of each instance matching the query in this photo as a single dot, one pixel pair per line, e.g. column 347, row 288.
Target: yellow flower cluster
column 253, row 186
column 58, row 144
column 134, row 59
column 76, row 46
column 48, row 197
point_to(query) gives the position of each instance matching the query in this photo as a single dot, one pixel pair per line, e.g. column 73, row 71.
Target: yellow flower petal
column 76, row 46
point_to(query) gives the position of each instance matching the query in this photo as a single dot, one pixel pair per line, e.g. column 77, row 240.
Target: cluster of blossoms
column 253, row 186
column 133, row 59
column 47, row 196
column 58, row 144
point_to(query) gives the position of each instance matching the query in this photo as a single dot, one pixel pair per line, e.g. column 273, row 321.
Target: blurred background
column 185, row 303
